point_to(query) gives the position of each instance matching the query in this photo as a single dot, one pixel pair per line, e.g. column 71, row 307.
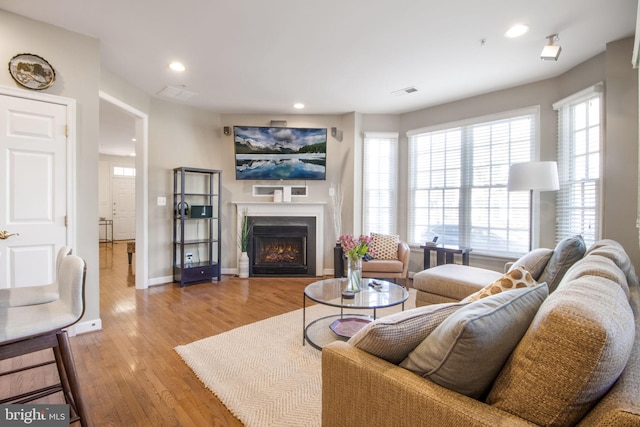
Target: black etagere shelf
column 196, row 225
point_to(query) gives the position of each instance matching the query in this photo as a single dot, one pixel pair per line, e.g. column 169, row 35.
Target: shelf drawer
column 197, row 274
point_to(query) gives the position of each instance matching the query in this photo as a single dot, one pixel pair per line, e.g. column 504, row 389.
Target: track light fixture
column 551, row 52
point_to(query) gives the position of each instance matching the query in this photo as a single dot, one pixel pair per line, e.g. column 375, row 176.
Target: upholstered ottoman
column 450, row 283
column 453, row 282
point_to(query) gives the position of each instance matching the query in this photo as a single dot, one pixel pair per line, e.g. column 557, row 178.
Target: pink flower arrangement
column 355, row 249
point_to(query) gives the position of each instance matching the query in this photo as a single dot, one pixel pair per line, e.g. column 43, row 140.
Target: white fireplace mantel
column 308, row 209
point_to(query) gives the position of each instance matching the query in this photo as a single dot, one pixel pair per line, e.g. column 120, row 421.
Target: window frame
column 466, row 185
column 392, row 182
column 564, row 107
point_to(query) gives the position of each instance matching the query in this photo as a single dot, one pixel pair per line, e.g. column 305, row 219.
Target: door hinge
column 66, row 131
column 65, row 220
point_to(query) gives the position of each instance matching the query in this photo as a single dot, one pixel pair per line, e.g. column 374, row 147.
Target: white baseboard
column 160, row 280
column 84, row 327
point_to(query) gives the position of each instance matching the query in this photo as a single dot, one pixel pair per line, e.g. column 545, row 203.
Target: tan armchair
column 389, row 268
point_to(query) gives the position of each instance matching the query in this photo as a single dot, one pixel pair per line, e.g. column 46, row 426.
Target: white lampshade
column 540, row 176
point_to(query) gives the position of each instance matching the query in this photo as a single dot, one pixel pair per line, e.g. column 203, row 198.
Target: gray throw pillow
column 468, row 350
column 566, row 253
column 392, row 337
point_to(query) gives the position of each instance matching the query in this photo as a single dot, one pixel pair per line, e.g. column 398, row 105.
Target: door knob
column 4, row 235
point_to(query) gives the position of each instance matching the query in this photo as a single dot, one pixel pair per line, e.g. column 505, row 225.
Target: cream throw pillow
column 517, row 278
column 534, row 261
column 385, row 246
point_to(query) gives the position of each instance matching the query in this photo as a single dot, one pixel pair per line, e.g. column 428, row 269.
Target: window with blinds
column 579, row 148
column 458, row 183
column 379, row 169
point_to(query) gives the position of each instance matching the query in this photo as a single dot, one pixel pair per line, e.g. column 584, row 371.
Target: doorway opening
column 123, row 178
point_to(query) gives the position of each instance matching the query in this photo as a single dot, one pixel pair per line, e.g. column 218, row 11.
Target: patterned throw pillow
column 385, row 246
column 519, row 277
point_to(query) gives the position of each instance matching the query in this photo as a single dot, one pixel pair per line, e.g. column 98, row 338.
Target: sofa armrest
column 358, row 387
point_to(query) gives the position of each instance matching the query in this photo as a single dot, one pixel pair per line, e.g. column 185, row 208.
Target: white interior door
column 124, row 208
column 32, row 189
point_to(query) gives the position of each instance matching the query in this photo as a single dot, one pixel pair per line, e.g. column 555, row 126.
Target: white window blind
column 379, row 169
column 579, row 148
column 458, row 183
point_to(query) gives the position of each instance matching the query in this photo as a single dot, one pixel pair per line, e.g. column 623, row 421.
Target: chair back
column 62, row 252
column 71, row 282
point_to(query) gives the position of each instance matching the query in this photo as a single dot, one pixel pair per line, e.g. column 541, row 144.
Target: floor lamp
column 533, row 176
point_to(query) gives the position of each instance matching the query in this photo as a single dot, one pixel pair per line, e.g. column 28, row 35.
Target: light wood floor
column 129, row 373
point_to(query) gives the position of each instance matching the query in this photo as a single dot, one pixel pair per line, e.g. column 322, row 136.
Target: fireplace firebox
column 282, row 246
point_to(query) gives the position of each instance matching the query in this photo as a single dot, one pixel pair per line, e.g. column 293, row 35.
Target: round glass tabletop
column 329, row 292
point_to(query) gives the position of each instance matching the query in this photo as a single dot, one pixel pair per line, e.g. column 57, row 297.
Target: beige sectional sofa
column 578, row 362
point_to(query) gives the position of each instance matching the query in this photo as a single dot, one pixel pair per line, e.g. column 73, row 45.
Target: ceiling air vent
column 404, row 91
column 176, row 93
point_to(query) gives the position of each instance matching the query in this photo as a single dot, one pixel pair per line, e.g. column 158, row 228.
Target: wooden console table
column 444, row 254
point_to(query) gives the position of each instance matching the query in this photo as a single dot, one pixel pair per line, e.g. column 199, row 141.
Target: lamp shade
column 540, row 176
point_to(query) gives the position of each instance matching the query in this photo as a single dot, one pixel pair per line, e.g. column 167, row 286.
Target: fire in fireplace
column 281, row 247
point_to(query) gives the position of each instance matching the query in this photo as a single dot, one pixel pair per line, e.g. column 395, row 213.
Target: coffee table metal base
column 374, row 295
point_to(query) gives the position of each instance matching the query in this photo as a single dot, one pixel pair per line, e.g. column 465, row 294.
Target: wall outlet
column 162, row 201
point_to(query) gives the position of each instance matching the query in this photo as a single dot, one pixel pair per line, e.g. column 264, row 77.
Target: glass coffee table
column 375, row 294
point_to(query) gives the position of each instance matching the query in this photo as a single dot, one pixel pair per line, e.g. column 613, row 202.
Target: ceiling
column 335, row 56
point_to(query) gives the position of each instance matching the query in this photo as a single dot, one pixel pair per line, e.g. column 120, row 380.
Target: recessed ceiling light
column 517, row 30
column 298, row 106
column 177, row 66
column 133, row 140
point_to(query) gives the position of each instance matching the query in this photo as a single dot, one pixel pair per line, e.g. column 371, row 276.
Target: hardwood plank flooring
column 129, row 373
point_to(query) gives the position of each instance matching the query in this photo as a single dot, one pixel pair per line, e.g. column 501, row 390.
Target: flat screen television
column 278, row 153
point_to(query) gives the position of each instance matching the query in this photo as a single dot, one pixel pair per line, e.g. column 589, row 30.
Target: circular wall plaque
column 31, row 71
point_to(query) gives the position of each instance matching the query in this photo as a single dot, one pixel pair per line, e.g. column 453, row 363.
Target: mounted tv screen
column 280, row 153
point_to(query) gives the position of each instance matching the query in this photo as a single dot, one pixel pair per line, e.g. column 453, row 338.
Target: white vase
column 243, row 266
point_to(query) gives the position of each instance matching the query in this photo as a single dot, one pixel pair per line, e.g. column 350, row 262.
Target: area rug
column 262, row 373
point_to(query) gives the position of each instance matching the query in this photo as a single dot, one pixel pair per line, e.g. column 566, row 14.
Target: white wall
column 179, row 135
column 318, row 191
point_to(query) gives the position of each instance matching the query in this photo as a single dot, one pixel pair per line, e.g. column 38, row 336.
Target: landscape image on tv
column 280, row 153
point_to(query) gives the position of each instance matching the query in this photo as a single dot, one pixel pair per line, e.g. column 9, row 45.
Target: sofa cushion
column 596, row 265
column 383, row 266
column 516, row 278
column 534, row 261
column 393, row 337
column 384, row 246
column 615, row 252
column 565, row 254
column 453, row 280
column 468, row 349
column 575, row 349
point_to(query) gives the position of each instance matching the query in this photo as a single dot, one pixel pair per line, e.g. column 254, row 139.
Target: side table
column 444, row 254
